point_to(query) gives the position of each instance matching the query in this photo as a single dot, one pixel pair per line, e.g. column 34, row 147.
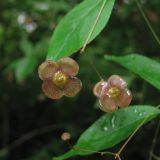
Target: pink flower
column 59, row 78
column 112, row 93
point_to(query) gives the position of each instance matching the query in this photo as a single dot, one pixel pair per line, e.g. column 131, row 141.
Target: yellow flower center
column 60, row 79
column 114, row 92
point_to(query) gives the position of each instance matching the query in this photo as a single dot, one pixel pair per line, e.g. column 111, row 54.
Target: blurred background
column 31, row 124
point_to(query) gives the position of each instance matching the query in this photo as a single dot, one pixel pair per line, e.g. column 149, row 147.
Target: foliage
column 110, row 129
column 140, row 65
column 31, row 124
column 72, row 32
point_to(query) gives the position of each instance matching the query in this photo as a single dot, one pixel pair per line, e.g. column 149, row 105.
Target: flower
column 59, row 78
column 112, row 93
column 66, row 136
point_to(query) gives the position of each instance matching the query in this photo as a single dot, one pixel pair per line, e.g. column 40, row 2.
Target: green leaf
column 111, row 129
column 26, row 47
column 24, row 67
column 146, row 68
column 72, row 32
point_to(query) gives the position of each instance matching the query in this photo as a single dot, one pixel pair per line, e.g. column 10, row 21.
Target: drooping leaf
column 111, row 129
column 146, row 68
column 72, row 32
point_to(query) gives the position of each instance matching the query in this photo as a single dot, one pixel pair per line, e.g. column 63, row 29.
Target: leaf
column 72, row 32
column 24, row 66
column 26, row 47
column 146, row 68
column 111, row 129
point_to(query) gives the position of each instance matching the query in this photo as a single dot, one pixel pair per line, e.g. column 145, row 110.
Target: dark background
column 30, row 123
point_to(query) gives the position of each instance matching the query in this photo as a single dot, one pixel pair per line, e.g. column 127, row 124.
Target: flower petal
column 47, row 69
column 68, row 66
column 125, row 98
column 100, row 88
column 73, row 86
column 51, row 90
column 117, row 81
column 107, row 104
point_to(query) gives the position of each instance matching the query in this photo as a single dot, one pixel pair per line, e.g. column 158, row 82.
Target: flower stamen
column 60, row 79
column 113, row 92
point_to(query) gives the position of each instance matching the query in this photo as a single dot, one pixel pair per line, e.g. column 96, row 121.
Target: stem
column 156, row 157
column 154, row 141
column 147, row 22
column 93, row 27
column 29, row 136
column 93, row 151
column 117, row 155
column 96, row 70
column 130, row 137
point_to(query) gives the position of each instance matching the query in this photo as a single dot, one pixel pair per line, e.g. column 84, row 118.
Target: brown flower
column 59, row 78
column 66, row 136
column 112, row 93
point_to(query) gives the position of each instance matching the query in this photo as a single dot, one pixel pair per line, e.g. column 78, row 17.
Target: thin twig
column 156, row 157
column 93, row 27
column 29, row 136
column 154, row 141
column 96, row 70
column 130, row 137
column 93, row 151
column 147, row 22
column 117, row 157
column 117, row 154
column 32, row 134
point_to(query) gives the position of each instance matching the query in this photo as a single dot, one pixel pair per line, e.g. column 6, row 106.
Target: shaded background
column 30, row 123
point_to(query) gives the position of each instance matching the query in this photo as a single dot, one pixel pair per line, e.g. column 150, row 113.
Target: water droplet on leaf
column 105, row 128
column 113, row 121
column 135, row 110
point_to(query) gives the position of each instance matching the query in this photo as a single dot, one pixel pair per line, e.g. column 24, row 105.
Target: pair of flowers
column 59, row 80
